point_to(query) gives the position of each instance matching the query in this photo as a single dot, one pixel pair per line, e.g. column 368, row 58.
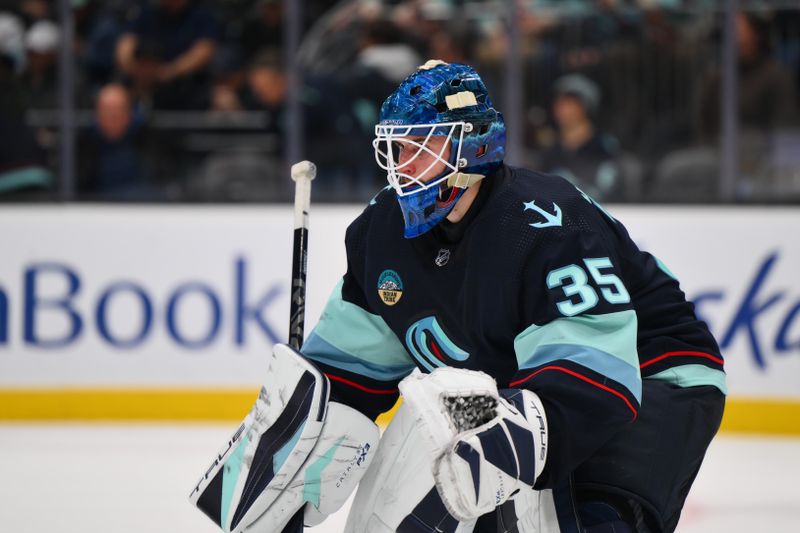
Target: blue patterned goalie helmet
column 438, row 134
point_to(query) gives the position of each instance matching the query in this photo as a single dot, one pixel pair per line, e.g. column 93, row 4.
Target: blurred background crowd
column 201, row 101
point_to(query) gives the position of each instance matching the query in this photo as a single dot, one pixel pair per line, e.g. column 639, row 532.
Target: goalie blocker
column 294, row 449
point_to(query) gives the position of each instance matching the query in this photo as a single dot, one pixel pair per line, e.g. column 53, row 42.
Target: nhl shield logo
column 442, row 257
column 390, row 287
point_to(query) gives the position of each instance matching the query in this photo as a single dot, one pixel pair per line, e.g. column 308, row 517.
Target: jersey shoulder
column 383, row 199
column 543, row 207
column 381, row 213
column 533, row 218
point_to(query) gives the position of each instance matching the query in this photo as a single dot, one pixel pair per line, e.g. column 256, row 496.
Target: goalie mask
column 438, row 134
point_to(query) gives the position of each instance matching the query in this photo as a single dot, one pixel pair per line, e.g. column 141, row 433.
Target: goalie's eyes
column 408, row 143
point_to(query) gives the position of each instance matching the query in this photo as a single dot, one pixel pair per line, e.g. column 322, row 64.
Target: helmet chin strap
column 462, row 180
column 458, row 180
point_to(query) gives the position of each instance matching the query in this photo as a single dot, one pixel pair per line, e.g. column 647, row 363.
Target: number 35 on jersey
column 581, row 293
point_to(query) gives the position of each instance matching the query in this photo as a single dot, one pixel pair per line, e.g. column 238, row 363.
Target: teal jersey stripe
column 664, row 268
column 693, row 376
column 593, row 359
column 604, row 343
column 348, row 334
column 318, row 349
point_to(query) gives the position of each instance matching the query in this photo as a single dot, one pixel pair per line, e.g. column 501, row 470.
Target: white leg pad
column 340, row 458
column 270, row 445
column 536, row 511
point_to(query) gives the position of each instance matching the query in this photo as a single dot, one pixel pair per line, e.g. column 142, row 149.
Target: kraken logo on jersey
column 550, row 219
column 429, row 344
column 390, row 287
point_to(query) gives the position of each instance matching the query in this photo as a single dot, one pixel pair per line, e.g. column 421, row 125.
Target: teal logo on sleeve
column 550, row 219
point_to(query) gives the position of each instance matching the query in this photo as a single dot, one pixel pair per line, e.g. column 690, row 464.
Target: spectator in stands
column 262, row 29
column 112, row 155
column 265, row 89
column 452, row 43
column 766, row 106
column 266, row 83
column 102, row 29
column 251, row 171
column 12, row 42
column 34, row 10
column 766, row 89
column 42, row 43
column 580, row 152
column 22, row 167
column 325, row 117
column 166, row 52
column 384, row 50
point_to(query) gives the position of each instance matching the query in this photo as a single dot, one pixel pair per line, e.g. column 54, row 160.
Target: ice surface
column 130, row 478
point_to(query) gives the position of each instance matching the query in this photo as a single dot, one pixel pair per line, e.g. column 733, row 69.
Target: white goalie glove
column 491, row 443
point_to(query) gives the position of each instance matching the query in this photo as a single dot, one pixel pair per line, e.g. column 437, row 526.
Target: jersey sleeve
column 577, row 350
column 362, row 357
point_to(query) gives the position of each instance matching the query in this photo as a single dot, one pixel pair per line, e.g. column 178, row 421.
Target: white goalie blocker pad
column 293, row 448
column 400, row 491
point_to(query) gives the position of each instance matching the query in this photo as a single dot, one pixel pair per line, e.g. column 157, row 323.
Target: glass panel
column 358, row 53
column 29, row 52
column 646, row 106
column 186, row 100
column 768, row 49
column 614, row 98
column 176, row 99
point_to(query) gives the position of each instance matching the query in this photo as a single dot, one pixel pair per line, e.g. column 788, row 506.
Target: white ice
column 136, row 478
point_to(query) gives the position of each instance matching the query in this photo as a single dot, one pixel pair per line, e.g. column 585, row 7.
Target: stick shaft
column 302, row 175
column 302, row 201
column 298, row 303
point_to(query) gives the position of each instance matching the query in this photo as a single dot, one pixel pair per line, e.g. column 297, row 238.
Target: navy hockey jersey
column 538, row 286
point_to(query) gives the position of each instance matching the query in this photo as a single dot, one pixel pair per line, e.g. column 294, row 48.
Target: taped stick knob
column 304, row 170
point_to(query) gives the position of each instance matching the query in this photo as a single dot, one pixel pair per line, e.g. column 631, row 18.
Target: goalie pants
column 641, row 477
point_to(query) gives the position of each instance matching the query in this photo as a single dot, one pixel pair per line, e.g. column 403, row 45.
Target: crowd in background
column 187, row 99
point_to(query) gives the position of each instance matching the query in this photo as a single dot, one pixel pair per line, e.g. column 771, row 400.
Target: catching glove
column 491, row 443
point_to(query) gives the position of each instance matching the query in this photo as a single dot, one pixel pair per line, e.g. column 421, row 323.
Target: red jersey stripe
column 584, row 378
column 361, row 387
column 682, row 354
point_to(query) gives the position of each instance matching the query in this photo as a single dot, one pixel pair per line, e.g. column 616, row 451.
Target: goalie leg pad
column 531, row 511
column 341, row 456
column 270, row 445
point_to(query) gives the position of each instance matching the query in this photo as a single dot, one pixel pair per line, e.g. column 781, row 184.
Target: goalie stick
column 302, row 174
column 217, row 494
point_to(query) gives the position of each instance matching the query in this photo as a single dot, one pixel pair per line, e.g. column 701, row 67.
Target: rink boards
column 165, row 313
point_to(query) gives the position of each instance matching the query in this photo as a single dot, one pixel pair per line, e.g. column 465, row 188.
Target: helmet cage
column 389, row 137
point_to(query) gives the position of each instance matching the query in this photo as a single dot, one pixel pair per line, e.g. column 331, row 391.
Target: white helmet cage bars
column 390, row 139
